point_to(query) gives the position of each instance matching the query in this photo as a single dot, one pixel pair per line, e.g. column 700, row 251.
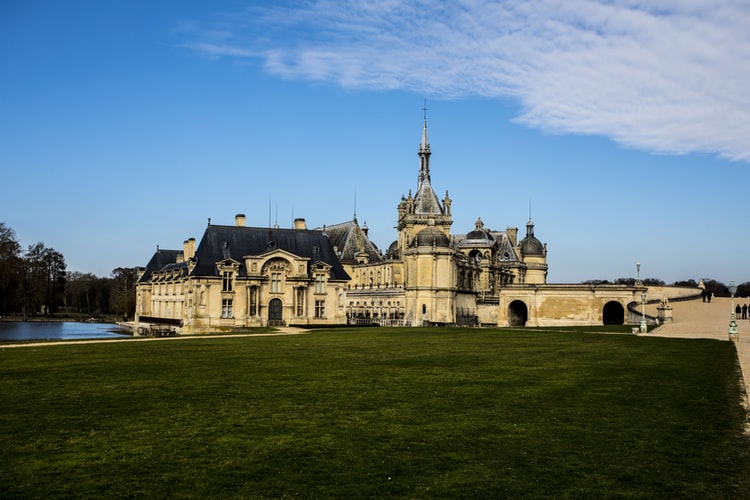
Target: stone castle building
column 241, row 276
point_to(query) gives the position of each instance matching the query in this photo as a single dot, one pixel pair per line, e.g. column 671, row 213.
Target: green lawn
column 413, row 413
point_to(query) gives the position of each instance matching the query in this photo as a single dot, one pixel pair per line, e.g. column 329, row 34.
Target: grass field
column 413, row 413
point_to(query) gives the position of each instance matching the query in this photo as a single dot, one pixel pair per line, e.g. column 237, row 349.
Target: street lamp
column 732, row 323
column 638, row 270
column 644, row 328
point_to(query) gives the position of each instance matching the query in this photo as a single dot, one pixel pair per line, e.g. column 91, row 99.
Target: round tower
column 533, row 253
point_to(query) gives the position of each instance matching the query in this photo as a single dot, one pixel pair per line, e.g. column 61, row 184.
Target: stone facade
column 242, row 276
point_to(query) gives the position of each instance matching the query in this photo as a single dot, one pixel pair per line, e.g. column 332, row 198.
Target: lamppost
column 732, row 323
column 644, row 328
column 638, row 271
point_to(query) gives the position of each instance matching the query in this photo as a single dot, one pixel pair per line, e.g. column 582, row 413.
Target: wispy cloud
column 669, row 76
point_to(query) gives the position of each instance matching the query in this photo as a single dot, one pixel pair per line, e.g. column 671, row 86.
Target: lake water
column 59, row 330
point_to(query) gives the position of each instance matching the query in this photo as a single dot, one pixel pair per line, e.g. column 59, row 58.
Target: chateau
column 241, row 276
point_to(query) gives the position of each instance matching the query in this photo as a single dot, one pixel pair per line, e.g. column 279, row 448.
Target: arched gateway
column 518, row 313
column 613, row 313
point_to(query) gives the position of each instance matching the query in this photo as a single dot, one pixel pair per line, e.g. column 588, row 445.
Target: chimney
column 188, row 248
column 239, row 220
column 512, row 233
column 300, row 224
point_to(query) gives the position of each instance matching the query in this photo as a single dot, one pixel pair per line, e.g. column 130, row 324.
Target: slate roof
column 497, row 239
column 504, row 247
column 426, row 201
column 530, row 245
column 236, row 242
column 349, row 240
column 431, row 236
column 160, row 261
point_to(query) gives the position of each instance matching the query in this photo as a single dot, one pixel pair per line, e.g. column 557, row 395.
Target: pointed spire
column 424, row 151
column 425, row 200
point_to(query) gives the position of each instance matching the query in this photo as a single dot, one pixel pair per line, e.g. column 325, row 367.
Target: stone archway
column 613, row 313
column 275, row 312
column 518, row 313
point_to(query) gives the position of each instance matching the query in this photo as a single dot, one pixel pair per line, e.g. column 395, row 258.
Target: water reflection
column 58, row 330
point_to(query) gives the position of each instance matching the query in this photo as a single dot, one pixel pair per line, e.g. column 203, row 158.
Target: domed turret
column 479, row 233
column 530, row 246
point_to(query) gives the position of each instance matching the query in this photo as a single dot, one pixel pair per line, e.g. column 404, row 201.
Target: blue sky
column 622, row 126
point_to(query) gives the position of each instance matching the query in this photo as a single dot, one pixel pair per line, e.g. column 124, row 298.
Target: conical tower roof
column 425, row 200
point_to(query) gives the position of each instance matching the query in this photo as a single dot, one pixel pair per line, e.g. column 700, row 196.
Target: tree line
column 35, row 282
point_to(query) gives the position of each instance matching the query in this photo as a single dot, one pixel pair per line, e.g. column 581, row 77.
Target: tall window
column 253, row 310
column 226, row 308
column 275, row 282
column 320, row 283
column 300, row 301
column 320, row 308
column 226, row 281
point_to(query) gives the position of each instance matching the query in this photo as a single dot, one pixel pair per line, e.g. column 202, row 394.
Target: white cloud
column 668, row 76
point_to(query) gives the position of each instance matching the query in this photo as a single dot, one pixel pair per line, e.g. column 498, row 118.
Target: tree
column 122, row 296
column 653, row 282
column 743, row 290
column 86, row 293
column 717, row 288
column 11, row 270
column 43, row 280
column 688, row 283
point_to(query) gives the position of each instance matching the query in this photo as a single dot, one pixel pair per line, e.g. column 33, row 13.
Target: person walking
column 744, row 311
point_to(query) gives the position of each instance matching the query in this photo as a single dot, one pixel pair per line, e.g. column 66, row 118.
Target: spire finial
column 424, row 108
column 529, row 208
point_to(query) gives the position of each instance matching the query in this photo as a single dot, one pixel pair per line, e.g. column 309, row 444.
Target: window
column 275, row 282
column 300, row 301
column 226, row 281
column 320, row 283
column 253, row 310
column 320, row 308
column 226, row 308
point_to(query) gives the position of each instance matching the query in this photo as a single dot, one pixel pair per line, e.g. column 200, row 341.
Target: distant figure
column 738, row 311
column 744, row 311
column 703, row 295
column 709, row 294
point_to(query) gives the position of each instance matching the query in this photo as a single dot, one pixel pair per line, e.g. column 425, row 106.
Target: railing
column 156, row 331
column 635, row 315
column 378, row 322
